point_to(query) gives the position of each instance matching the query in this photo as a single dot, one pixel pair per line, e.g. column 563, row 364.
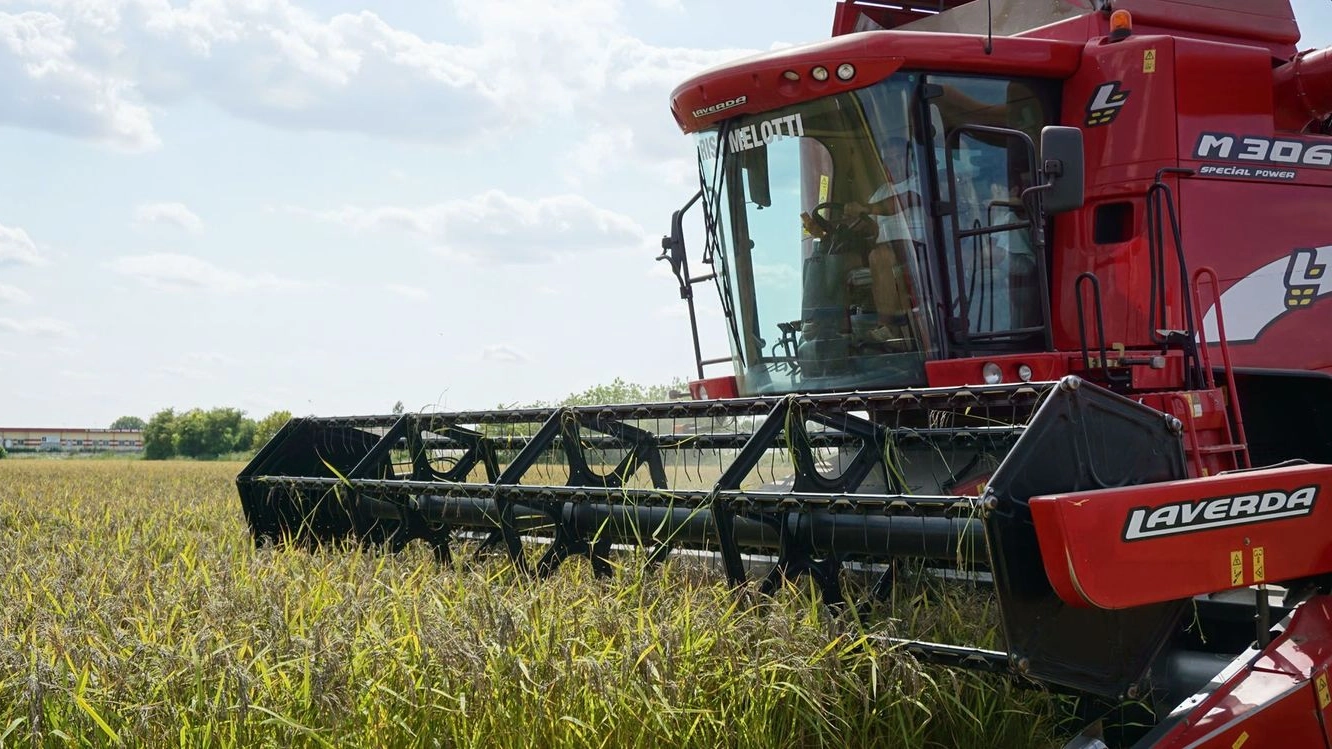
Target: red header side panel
column 1118, row 548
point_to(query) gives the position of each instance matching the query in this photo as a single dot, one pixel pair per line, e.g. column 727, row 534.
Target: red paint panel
column 1141, row 137
column 1251, row 233
column 1261, row 711
column 1306, row 646
column 1185, row 537
column 714, row 387
column 1225, row 87
column 1270, row 21
column 1044, row 368
column 1249, row 228
column 756, row 84
column 1122, row 157
column 1273, row 701
column 1236, row 224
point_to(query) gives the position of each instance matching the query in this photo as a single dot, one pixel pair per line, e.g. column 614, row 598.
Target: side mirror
column 756, row 172
column 673, row 247
column 1062, row 165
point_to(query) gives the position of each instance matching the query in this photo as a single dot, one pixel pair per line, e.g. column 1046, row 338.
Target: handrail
column 1160, row 210
column 1082, row 321
column 1232, row 397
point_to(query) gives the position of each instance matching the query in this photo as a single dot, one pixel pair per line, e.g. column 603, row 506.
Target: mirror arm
column 673, row 247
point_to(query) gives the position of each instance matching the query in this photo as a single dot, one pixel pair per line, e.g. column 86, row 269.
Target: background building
column 71, row 440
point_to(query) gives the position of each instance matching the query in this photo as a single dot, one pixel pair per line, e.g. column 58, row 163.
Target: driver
column 897, row 167
column 897, row 208
column 897, row 198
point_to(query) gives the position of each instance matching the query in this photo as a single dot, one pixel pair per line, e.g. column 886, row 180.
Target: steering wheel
column 828, row 225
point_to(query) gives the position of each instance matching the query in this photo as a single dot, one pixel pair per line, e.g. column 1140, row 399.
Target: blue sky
column 328, row 207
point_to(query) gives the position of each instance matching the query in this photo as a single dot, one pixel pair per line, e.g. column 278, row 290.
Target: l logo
column 1304, row 278
column 1282, row 286
column 1105, row 104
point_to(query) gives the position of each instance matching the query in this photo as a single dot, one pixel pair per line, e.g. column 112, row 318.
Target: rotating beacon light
column 1121, row 25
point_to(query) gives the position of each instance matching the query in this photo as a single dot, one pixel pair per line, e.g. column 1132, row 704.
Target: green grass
column 134, row 610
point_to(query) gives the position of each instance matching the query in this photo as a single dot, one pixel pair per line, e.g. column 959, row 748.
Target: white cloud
column 47, row 87
column 201, row 366
column 672, row 312
column 98, row 69
column 39, row 326
column 777, row 275
column 587, row 158
column 17, row 248
column 171, row 214
column 173, row 272
column 410, row 292
column 207, row 359
column 638, row 78
column 499, row 228
column 13, row 295
column 102, row 70
column 503, row 352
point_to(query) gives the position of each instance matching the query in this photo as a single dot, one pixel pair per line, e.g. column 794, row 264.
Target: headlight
column 819, row 74
column 846, row 71
column 992, row 374
column 1024, row 373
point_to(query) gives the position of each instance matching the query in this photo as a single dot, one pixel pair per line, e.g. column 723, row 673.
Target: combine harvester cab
column 972, row 266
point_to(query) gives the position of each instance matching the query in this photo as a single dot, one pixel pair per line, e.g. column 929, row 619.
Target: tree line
column 620, row 391
column 206, row 434
column 226, row 431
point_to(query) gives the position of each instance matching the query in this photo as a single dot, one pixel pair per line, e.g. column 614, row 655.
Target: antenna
column 989, row 26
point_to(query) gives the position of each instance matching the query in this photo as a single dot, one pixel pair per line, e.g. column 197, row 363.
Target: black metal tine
column 444, row 450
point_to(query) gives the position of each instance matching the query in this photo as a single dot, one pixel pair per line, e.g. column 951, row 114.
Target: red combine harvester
column 973, row 261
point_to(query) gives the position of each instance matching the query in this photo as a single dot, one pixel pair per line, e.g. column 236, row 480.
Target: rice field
column 135, row 611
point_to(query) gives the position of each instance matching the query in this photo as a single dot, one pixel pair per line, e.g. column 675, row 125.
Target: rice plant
column 134, row 610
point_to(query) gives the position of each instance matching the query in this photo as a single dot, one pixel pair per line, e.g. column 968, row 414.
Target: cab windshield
column 833, row 272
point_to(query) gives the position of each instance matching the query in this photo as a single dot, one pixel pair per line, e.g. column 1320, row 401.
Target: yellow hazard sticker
column 1149, row 61
column 825, row 183
column 1236, row 568
column 1324, row 695
column 1259, row 565
column 1241, row 740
